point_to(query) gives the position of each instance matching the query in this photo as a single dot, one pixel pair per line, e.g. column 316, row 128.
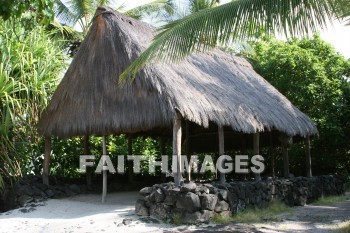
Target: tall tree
column 316, row 79
column 234, row 21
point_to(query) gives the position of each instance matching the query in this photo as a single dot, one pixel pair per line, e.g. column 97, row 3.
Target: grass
column 330, row 199
column 255, row 215
column 177, row 219
column 258, row 215
column 218, row 219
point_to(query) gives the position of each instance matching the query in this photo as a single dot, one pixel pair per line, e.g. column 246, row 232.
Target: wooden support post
column 272, row 154
column 285, row 161
column 188, row 151
column 162, row 152
column 256, row 151
column 87, row 152
column 244, row 152
column 221, row 151
column 177, row 134
column 46, row 165
column 130, row 162
column 286, row 141
column 104, row 184
column 308, row 157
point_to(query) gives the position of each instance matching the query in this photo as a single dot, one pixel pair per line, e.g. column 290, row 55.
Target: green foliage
column 177, row 219
column 30, row 64
column 315, row 79
column 343, row 10
column 40, row 10
column 156, row 9
column 66, row 152
column 233, row 21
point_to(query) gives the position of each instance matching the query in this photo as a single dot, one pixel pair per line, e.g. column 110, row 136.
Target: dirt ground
column 86, row 213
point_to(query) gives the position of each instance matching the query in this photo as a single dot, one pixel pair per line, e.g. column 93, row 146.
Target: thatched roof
column 215, row 87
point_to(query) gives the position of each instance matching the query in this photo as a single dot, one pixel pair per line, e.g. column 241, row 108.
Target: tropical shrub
column 316, row 79
column 30, row 66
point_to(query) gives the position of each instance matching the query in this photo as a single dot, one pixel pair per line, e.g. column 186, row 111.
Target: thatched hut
column 214, row 89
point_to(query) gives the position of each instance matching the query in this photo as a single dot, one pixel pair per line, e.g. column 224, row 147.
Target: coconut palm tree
column 234, row 21
column 72, row 12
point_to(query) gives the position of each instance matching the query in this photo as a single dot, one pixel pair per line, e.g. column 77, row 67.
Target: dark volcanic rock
column 188, row 187
column 208, row 201
column 146, row 191
column 141, row 209
column 221, row 206
column 159, row 195
column 24, row 200
column 75, row 188
column 190, row 202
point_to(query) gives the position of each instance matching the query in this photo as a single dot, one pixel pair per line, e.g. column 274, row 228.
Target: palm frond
column 63, row 13
column 233, row 21
column 157, row 7
column 198, row 5
column 63, row 31
column 343, row 11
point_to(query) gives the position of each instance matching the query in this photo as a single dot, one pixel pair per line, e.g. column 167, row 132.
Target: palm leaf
column 343, row 11
column 157, row 7
column 233, row 21
column 64, row 13
column 198, row 5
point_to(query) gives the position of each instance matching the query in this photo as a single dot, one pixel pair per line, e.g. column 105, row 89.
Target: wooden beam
column 285, row 161
column 130, row 162
column 221, row 150
column 272, row 154
column 286, row 141
column 46, row 165
column 256, row 151
column 104, row 184
column 244, row 151
column 188, row 150
column 177, row 134
column 87, row 152
column 162, row 152
column 308, row 157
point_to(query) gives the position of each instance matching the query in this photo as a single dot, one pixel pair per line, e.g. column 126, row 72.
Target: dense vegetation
column 316, row 79
column 34, row 57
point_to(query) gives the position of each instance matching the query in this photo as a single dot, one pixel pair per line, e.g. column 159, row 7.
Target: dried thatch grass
column 212, row 87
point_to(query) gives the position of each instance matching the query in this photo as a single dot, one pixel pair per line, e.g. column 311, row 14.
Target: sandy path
column 86, row 213
column 83, row 213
